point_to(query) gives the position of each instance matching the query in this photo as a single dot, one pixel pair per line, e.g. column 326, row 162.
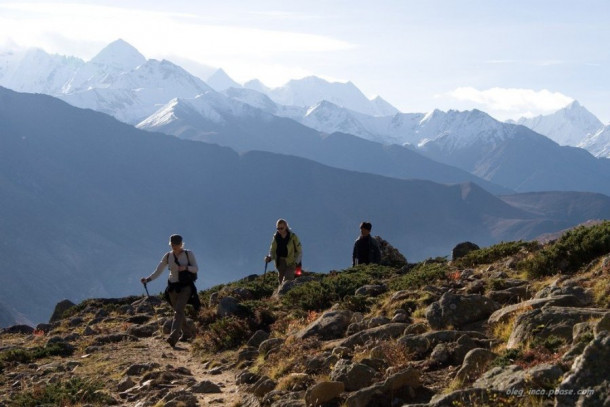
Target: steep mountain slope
column 515, row 156
column 87, row 203
column 598, row 144
column 512, row 156
column 567, row 127
column 36, row 71
column 135, row 94
column 214, row 118
column 220, row 81
column 476, row 331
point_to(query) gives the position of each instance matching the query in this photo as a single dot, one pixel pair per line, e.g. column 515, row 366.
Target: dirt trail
column 155, row 349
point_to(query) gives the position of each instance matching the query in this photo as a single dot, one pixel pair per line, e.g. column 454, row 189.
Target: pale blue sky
column 508, row 58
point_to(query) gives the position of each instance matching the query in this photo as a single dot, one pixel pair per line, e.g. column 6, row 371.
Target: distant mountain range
column 121, row 82
column 508, row 155
column 87, row 204
column 88, row 201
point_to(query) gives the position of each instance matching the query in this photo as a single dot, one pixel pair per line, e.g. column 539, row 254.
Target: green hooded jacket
column 295, row 252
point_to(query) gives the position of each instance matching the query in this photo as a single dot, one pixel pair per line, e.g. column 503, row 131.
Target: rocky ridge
column 475, row 331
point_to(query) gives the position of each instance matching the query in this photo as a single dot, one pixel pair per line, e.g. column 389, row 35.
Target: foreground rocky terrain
column 516, row 324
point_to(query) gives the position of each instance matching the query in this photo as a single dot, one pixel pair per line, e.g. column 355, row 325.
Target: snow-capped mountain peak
column 132, row 95
column 252, row 98
column 311, row 90
column 33, row 70
column 220, row 81
column 257, row 85
column 567, row 126
column 383, row 107
column 454, row 130
column 119, row 55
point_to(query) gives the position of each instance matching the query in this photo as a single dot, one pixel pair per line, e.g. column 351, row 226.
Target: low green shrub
column 573, row 250
column 75, row 391
column 357, row 303
column 507, row 357
column 550, row 343
column 312, row 296
column 224, row 334
column 425, row 273
column 260, row 286
column 27, row 355
column 494, row 253
column 331, row 288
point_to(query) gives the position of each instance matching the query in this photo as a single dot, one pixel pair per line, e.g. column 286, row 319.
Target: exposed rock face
column 566, row 287
column 59, row 310
column 454, row 310
column 469, row 397
column 404, row 382
column 590, row 374
column 257, row 338
column 391, row 330
column 475, row 363
column 323, row 392
column 556, row 321
column 505, row 313
column 268, row 345
column 462, row 249
column 371, row 290
column 515, row 379
column 462, row 341
column 354, row 375
column 390, row 256
column 331, row 325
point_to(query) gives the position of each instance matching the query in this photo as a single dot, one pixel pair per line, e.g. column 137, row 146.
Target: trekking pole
column 265, row 273
column 146, row 288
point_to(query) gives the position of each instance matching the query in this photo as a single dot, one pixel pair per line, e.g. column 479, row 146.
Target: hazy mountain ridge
column 139, row 93
column 574, row 126
column 568, row 126
column 508, row 155
column 312, row 90
column 118, row 81
column 35, row 71
column 90, row 202
column 213, row 118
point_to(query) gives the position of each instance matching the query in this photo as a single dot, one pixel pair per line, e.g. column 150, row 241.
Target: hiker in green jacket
column 285, row 250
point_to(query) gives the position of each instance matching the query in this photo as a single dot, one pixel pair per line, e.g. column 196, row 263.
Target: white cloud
column 153, row 33
column 505, row 103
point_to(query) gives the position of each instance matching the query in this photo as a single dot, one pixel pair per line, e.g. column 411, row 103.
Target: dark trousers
column 285, row 272
column 179, row 301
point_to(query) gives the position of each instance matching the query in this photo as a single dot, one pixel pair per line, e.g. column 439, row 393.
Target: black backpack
column 185, row 277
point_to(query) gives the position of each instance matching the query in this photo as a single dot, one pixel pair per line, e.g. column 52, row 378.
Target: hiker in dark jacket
column 366, row 248
column 285, row 250
column 180, row 284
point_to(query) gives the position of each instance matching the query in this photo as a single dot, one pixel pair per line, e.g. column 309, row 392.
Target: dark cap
column 175, row 239
column 366, row 225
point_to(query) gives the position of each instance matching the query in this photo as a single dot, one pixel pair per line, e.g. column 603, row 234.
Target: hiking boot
column 171, row 342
